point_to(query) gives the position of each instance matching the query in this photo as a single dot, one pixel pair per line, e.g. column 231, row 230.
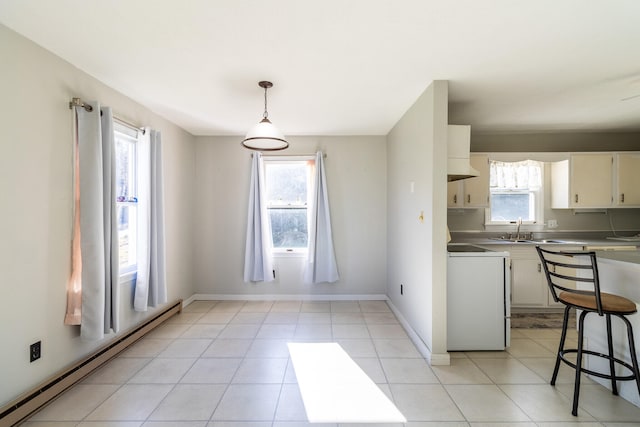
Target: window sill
column 127, row 278
column 290, row 254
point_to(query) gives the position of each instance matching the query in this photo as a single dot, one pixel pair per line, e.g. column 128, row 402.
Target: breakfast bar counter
column 619, row 274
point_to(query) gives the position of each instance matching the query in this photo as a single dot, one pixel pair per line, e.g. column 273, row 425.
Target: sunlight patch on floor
column 335, row 390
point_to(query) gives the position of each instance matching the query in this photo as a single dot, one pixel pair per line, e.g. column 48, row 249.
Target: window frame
column 309, row 162
column 538, row 210
column 129, row 135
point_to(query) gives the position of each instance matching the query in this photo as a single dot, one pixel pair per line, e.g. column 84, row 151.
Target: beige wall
column 356, row 179
column 416, row 164
column 35, row 225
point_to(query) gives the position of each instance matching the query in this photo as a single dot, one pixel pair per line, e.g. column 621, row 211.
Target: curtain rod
column 129, row 124
column 324, row 155
column 77, row 102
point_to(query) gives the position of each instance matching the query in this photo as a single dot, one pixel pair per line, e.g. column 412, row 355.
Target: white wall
column 36, row 198
column 416, row 163
column 356, row 175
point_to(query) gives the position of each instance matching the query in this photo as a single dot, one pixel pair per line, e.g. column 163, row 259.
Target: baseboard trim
column 29, row 402
column 431, row 358
column 286, row 297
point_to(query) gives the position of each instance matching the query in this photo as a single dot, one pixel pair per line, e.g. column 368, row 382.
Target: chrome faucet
column 519, row 224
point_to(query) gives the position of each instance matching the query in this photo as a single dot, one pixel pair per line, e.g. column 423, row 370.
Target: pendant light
column 265, row 136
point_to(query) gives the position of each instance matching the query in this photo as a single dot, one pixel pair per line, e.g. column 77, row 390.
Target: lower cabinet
column 529, row 287
column 527, row 283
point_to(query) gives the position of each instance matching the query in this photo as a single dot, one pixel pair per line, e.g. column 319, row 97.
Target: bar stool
column 563, row 268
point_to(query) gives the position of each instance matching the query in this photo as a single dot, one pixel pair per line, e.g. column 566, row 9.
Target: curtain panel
column 526, row 174
column 94, row 276
column 321, row 263
column 258, row 262
column 150, row 288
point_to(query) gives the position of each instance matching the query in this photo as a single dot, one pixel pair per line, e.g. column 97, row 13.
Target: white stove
column 478, row 298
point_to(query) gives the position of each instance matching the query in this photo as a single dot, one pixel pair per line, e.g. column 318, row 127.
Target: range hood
column 458, row 148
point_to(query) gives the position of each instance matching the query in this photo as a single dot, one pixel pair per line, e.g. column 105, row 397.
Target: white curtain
column 98, row 222
column 150, row 289
column 258, row 265
column 321, row 263
column 526, row 174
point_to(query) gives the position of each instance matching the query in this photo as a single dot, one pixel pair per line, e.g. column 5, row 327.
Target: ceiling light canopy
column 265, row 136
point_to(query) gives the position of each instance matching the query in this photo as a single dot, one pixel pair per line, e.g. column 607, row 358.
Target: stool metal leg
column 632, row 350
column 576, row 387
column 612, row 368
column 565, row 322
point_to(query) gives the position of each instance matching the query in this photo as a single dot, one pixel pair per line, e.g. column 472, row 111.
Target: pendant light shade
column 265, row 136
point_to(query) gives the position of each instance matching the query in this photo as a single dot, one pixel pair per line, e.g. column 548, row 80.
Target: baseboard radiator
column 28, row 403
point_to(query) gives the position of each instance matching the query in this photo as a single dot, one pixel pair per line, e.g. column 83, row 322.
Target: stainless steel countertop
column 632, row 257
column 555, row 241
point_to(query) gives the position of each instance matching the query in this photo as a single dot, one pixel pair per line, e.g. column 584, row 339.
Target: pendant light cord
column 265, row 115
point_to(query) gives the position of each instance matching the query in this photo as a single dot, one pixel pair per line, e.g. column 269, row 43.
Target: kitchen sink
column 535, row 241
column 506, row 239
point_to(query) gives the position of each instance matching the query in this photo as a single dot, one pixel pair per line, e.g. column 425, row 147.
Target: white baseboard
column 189, row 300
column 431, row 358
column 286, row 297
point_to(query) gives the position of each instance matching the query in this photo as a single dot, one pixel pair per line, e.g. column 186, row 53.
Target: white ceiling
column 353, row 67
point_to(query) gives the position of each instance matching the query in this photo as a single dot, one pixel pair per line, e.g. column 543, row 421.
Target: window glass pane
column 516, row 191
column 286, row 183
column 127, row 229
column 126, row 201
column 511, row 206
column 288, row 227
column 286, row 189
column 125, row 169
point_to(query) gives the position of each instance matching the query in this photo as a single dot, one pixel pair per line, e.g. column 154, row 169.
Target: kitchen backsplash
column 567, row 220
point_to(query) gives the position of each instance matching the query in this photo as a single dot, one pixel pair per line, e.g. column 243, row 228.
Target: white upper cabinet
column 455, row 194
column 592, row 180
column 471, row 192
column 596, row 180
column 583, row 181
column 628, row 180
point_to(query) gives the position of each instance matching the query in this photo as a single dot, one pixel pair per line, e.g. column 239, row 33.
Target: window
column 126, row 197
column 287, row 185
column 515, row 192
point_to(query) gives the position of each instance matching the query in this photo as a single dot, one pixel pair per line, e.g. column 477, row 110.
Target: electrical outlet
column 35, row 351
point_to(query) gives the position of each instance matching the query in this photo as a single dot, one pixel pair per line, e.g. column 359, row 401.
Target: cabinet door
column 454, row 194
column 476, row 190
column 527, row 286
column 628, row 180
column 591, row 180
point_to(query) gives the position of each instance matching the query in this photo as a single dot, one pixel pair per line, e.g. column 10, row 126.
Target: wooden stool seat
column 612, row 304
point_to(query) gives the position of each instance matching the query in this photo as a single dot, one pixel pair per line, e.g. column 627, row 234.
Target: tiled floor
column 226, row 364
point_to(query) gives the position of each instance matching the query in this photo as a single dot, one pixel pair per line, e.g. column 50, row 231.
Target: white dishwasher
column 478, row 298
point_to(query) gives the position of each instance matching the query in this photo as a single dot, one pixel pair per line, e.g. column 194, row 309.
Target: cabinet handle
column 576, row 198
column 455, row 199
column 539, row 268
column 468, row 198
column 622, row 198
